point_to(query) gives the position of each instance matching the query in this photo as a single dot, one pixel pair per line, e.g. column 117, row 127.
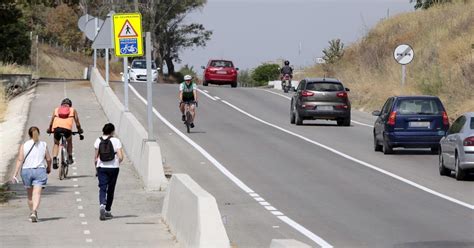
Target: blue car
column 410, row 122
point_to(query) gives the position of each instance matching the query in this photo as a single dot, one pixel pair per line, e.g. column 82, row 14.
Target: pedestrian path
column 69, row 211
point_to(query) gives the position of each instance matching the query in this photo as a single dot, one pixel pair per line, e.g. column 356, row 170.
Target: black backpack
column 106, row 150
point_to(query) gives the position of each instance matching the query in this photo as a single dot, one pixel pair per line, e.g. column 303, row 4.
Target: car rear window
column 324, row 86
column 472, row 123
column 141, row 64
column 418, row 107
column 221, row 63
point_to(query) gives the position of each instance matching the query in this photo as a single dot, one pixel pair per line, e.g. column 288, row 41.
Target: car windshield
column 472, row 123
column 324, row 86
column 221, row 63
column 141, row 64
column 418, row 106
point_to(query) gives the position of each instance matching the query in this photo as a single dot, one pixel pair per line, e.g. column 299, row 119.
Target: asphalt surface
column 325, row 178
column 69, row 210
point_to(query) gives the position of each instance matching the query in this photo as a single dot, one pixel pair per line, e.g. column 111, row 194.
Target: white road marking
column 216, row 97
column 76, row 186
column 74, row 173
column 259, row 199
column 87, row 232
column 416, row 185
column 264, row 203
column 270, row 208
column 204, row 93
column 80, row 207
column 227, row 173
column 254, row 195
column 74, row 179
column 77, row 193
column 276, row 226
column 277, row 213
column 78, row 200
column 74, row 168
column 84, row 223
column 89, row 240
column 82, row 215
column 289, row 98
column 304, row 231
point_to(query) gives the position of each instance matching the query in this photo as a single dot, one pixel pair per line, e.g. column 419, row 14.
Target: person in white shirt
column 107, row 158
column 34, row 162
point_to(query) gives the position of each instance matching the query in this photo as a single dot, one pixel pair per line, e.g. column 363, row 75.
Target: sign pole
column 403, row 75
column 125, row 82
column 96, row 23
column 37, row 55
column 107, row 66
column 149, row 80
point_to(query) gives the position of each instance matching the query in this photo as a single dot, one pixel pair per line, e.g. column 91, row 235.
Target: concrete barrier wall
column 287, row 243
column 145, row 155
column 192, row 214
column 15, row 84
column 277, row 84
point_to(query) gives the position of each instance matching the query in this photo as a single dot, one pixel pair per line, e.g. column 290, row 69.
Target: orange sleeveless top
column 63, row 123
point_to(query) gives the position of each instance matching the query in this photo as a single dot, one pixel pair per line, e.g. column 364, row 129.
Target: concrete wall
column 277, row 84
column 287, row 243
column 192, row 214
column 16, row 83
column 145, row 155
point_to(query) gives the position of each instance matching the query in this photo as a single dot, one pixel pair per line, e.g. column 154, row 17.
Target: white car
column 457, row 148
column 137, row 71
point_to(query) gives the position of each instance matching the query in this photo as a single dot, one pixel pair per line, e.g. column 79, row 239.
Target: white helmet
column 188, row 77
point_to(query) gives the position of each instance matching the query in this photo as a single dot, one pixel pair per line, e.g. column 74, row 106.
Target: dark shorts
column 58, row 131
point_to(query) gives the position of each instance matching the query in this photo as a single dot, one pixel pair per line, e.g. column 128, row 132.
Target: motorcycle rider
column 286, row 70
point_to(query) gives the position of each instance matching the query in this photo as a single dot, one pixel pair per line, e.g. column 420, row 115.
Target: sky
column 251, row 32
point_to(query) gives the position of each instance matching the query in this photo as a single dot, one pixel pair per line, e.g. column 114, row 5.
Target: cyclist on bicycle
column 61, row 123
column 188, row 94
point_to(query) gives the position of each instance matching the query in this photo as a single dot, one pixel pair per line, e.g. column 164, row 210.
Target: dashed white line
column 275, row 226
column 82, row 215
column 270, row 208
column 76, row 186
column 74, row 179
column 227, row 173
column 84, row 223
column 277, row 213
column 205, row 93
column 74, row 168
column 397, row 177
column 254, row 195
column 362, row 124
column 80, row 207
column 78, row 200
column 87, row 232
column 259, row 199
column 77, row 193
column 89, row 240
column 264, row 203
column 74, row 173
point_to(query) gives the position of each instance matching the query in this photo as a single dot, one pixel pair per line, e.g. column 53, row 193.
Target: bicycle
column 129, row 49
column 188, row 115
column 64, row 168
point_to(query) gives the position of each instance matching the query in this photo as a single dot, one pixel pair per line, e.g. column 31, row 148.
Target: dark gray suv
column 321, row 98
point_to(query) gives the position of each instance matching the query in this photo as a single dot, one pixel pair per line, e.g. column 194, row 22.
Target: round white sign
column 404, row 54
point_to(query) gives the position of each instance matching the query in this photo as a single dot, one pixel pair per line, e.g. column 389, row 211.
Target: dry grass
column 443, row 64
column 3, row 103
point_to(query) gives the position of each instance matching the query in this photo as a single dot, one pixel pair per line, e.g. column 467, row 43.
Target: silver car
column 457, row 148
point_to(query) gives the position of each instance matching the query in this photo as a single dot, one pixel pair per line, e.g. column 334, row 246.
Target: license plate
column 324, row 108
column 221, row 72
column 423, row 124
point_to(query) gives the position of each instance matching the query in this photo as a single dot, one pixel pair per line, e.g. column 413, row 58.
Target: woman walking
column 34, row 162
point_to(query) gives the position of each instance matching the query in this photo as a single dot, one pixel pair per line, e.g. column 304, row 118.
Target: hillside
column 443, row 65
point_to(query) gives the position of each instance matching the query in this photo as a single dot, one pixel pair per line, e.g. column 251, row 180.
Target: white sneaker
column 102, row 212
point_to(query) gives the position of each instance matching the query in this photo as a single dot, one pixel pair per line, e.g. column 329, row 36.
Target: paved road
column 69, row 215
column 326, row 179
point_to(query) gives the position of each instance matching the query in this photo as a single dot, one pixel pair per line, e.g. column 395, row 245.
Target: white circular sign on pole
column 404, row 54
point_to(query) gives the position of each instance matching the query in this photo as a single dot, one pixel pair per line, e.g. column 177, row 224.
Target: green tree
column 334, row 52
column 188, row 70
column 425, row 4
column 265, row 73
column 245, row 79
column 170, row 35
column 14, row 36
column 62, row 26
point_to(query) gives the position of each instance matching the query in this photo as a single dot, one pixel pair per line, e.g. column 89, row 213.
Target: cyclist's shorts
column 191, row 101
column 58, row 131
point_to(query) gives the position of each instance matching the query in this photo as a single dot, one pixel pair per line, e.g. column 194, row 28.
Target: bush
column 16, row 45
column 245, row 79
column 265, row 73
column 187, row 70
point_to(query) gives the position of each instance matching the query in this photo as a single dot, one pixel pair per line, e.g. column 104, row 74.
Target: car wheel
column 377, row 146
column 292, row 116
column 233, row 84
column 347, row 122
column 386, row 147
column 298, row 119
column 205, row 83
column 443, row 171
column 460, row 173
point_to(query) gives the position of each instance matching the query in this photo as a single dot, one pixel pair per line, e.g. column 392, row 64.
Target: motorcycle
column 286, row 83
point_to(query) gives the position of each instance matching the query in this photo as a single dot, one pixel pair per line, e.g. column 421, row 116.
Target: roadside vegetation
column 441, row 36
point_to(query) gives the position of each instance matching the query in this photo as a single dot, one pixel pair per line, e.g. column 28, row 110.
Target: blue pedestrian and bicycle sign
column 128, row 46
column 128, row 35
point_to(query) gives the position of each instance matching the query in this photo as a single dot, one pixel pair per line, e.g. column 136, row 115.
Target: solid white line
column 224, row 171
column 208, row 156
column 305, row 231
column 289, row 98
column 464, row 204
column 218, row 98
column 204, row 93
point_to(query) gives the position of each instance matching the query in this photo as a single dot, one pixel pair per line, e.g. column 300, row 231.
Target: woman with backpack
column 108, row 156
column 34, row 162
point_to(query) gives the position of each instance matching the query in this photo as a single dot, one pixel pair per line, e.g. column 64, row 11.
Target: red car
column 220, row 72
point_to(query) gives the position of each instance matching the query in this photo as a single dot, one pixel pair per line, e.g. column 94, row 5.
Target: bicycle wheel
column 188, row 122
column 62, row 172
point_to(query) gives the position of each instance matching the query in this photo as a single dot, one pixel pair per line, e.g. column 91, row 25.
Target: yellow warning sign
column 128, row 34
